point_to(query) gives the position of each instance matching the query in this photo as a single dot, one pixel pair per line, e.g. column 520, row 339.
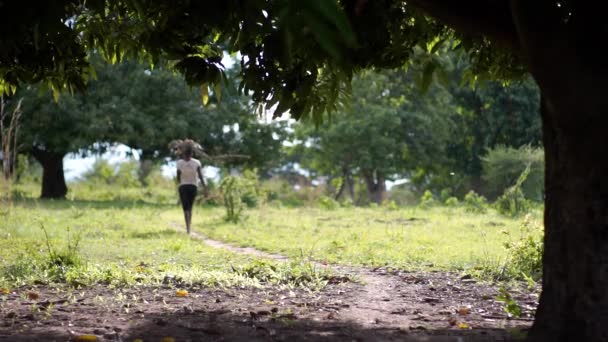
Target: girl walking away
column 188, row 170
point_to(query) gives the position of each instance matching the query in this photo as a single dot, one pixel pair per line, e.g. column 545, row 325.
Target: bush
column 502, row 166
column 251, row 195
column 513, row 202
column 526, row 251
column 445, row 194
column 328, row 203
column 390, row 205
column 475, row 203
column 451, row 202
column 232, row 189
column 427, row 199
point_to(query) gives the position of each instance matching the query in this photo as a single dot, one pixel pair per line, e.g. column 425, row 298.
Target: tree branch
column 490, row 18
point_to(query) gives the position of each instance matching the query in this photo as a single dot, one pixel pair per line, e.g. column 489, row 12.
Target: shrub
column 328, row 203
column 475, row 203
column 451, row 201
column 503, row 165
column 513, row 202
column 526, row 251
column 251, row 195
column 232, row 189
column 427, row 199
column 445, row 194
column 390, row 205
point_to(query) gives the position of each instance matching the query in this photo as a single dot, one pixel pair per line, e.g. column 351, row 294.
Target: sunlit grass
column 118, row 245
column 406, row 238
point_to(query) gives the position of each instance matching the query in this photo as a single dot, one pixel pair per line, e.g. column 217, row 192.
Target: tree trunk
column 346, row 184
column 574, row 301
column 572, row 79
column 53, row 179
column 376, row 186
column 146, row 165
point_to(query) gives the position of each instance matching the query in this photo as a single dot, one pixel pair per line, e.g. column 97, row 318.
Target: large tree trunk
column 572, row 79
column 574, row 301
column 53, row 179
column 376, row 186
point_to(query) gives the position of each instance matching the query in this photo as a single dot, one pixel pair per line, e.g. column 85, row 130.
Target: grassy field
column 408, row 238
column 132, row 236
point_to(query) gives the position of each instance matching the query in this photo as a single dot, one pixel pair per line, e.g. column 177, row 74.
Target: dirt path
column 416, row 302
column 384, row 305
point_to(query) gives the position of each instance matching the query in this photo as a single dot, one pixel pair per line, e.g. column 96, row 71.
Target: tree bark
column 347, row 184
column 146, row 164
column 574, row 301
column 53, row 178
column 376, row 186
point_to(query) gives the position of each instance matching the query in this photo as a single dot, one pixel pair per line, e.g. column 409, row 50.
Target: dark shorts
column 187, row 194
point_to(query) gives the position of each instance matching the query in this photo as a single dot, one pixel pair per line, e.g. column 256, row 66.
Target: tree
column 299, row 55
column 487, row 116
column 50, row 130
column 408, row 130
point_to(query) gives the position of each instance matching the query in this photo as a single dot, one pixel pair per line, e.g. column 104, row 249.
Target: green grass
column 121, row 243
column 407, row 238
column 128, row 236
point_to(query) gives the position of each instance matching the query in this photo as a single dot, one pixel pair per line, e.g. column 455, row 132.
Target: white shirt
column 188, row 171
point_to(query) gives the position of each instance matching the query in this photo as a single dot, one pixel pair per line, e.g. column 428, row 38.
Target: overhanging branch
column 490, row 18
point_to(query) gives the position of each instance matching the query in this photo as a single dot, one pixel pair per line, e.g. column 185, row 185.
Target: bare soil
column 383, row 305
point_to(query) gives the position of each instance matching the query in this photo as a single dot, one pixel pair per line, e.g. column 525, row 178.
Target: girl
column 188, row 169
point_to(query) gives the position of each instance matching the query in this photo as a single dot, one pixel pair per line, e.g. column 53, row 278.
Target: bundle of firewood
column 178, row 146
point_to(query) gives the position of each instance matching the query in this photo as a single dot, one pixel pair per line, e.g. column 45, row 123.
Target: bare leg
column 187, row 218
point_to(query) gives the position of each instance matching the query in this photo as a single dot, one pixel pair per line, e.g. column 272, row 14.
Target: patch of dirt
column 384, row 306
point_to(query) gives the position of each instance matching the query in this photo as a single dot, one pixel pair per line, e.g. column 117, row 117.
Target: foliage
column 510, row 305
column 475, row 203
column 427, row 199
column 451, row 201
column 328, row 203
column 233, row 188
column 407, row 130
column 526, row 251
column 487, row 117
column 293, row 274
column 502, row 167
column 513, row 202
column 122, row 174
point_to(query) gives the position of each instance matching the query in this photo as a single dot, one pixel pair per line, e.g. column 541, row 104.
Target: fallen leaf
column 453, row 321
column 464, row 311
column 463, row 326
column 4, row 291
column 181, row 293
column 167, row 339
column 85, row 338
column 33, row 296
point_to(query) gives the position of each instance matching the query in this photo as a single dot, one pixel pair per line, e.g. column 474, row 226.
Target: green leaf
column 427, row 76
column 217, row 89
column 205, row 94
column 334, row 14
column 323, row 35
